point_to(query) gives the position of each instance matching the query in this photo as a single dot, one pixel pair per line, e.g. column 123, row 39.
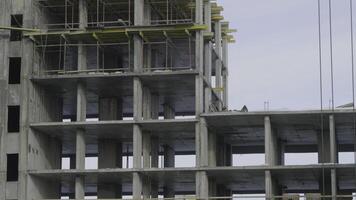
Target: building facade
column 133, row 85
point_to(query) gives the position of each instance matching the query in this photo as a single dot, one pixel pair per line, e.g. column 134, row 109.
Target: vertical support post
column 81, row 104
column 80, row 140
column 271, row 159
column 225, row 52
column 333, row 156
column 218, row 63
column 333, row 148
column 201, row 133
column 207, row 57
column 138, row 100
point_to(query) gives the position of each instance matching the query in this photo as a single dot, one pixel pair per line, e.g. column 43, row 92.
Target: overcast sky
column 276, row 59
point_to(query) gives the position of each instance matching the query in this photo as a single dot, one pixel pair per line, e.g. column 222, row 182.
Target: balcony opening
column 91, row 162
column 13, row 119
column 184, row 161
column 65, row 163
column 301, row 158
column 15, row 70
column 347, row 157
column 16, row 22
column 12, row 167
column 248, row 159
column 248, row 196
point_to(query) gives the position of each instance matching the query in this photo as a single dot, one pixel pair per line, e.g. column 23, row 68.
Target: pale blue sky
column 275, row 57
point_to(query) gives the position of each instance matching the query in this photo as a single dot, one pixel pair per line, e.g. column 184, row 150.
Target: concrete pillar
column 80, row 163
column 271, row 156
column 333, row 184
column 137, row 161
column 271, row 184
column 137, row 100
column 324, row 156
column 333, row 156
column 80, row 140
column 81, row 105
column 225, row 72
column 218, row 63
column 333, row 146
column 207, row 56
column 270, row 144
column 83, row 14
column 201, row 131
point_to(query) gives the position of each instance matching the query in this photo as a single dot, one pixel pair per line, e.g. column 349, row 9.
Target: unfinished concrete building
column 114, row 99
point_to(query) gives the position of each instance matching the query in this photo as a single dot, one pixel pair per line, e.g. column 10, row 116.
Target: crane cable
column 321, row 92
column 331, row 56
column 353, row 78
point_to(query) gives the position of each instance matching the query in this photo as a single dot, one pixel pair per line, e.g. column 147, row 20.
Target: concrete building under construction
column 140, row 88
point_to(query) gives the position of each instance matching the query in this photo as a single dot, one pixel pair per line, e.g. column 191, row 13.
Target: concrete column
column 207, row 56
column 83, row 14
column 201, row 132
column 80, row 163
column 271, row 156
column 333, row 147
column 218, row 62
column 81, row 105
column 138, row 102
column 80, row 140
column 225, row 81
column 271, row 186
column 83, row 23
column 333, row 184
column 270, row 143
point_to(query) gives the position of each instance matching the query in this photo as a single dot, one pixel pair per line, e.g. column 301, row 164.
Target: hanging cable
column 353, row 77
column 321, row 95
column 320, row 58
column 331, row 56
